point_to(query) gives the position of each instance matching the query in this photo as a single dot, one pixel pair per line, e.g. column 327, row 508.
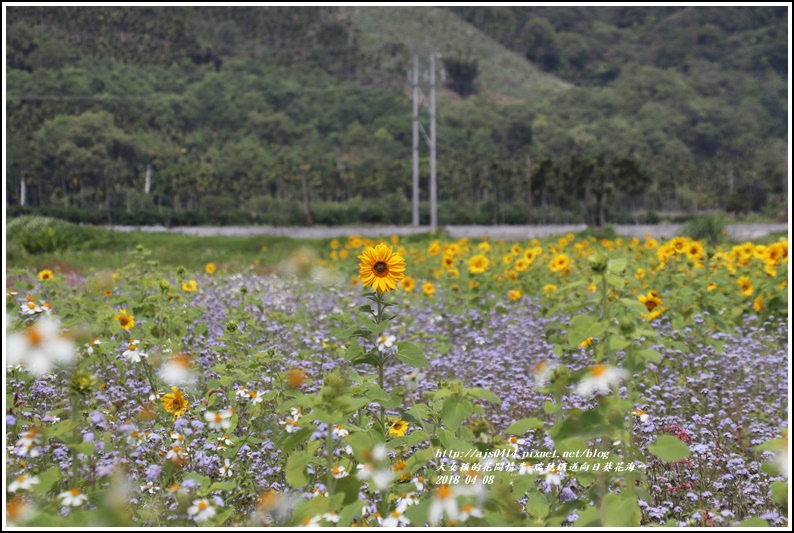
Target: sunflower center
column 380, row 268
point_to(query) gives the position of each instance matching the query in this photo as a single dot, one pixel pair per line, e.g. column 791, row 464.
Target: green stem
column 605, row 315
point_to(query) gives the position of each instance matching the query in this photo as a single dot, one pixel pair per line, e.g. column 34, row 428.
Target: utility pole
column 429, row 139
column 415, row 190
column 433, row 214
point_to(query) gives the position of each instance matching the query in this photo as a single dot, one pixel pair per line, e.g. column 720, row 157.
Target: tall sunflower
column 381, row 268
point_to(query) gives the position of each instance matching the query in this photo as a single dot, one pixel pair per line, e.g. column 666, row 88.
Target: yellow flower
column 210, row 268
column 588, row 342
column 334, row 244
column 434, row 248
column 398, row 429
column 651, row 300
column 640, row 273
column 514, row 294
column 107, row 292
column 712, row 286
column 560, row 262
column 473, row 285
column 44, row 275
column 521, row 265
column 694, row 251
column 408, row 284
column 175, row 402
column 478, row 264
column 508, row 259
column 343, row 254
column 126, row 321
column 548, row 289
column 395, row 239
column 757, row 304
column 381, row 268
column 745, row 285
column 448, row 261
column 190, row 285
column 428, row 289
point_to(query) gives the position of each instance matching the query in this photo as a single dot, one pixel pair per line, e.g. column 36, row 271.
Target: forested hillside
column 238, row 115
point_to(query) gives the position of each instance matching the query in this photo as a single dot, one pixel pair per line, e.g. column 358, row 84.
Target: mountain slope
column 502, row 71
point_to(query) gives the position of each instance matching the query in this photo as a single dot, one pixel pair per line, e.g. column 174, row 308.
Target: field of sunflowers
column 566, row 381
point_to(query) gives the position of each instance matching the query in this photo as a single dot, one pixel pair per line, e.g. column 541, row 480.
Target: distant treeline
column 170, row 111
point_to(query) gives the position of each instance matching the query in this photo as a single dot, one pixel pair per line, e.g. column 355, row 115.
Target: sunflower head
column 45, row 275
column 381, row 268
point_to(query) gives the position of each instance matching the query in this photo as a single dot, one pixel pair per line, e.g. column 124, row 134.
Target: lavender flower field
column 563, row 382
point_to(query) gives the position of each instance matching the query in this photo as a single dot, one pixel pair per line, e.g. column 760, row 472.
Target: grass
column 99, row 249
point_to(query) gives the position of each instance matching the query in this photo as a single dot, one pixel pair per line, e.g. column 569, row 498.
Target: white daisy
column 73, row 498
column 600, row 378
column 386, row 342
column 201, row 510
column 22, row 482
column 395, row 519
column 226, row 469
column 40, row 346
column 219, row 420
column 133, row 354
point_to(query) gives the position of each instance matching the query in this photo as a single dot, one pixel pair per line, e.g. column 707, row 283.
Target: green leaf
column 58, row 429
column 779, row 492
column 550, row 407
column 46, row 480
column 454, row 412
column 615, row 281
column 483, row 394
column 634, row 305
column 619, row 510
column 753, row 522
column 295, row 469
column 520, row 427
column 86, row 448
column 652, row 356
column 410, row 354
column 537, row 506
column 296, row 438
column 223, row 485
column 617, row 266
column 582, row 327
column 375, row 393
column 590, row 517
column 669, row 448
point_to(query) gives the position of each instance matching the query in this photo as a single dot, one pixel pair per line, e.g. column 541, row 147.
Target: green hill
column 267, row 114
column 502, row 71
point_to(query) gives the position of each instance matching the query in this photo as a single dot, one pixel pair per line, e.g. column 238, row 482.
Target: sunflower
column 560, row 262
column 448, row 261
column 758, row 304
column 126, row 321
column 175, row 402
column 745, row 285
column 428, row 289
column 651, row 300
column 521, row 265
column 189, row 285
column 514, row 294
column 210, row 268
column 408, row 284
column 45, row 275
column 398, row 428
column 381, row 268
column 478, row 264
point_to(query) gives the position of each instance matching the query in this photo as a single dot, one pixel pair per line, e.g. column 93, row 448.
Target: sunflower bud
column 231, row 326
column 627, row 325
column 598, row 262
column 82, row 382
column 165, row 285
column 181, row 271
column 243, row 290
